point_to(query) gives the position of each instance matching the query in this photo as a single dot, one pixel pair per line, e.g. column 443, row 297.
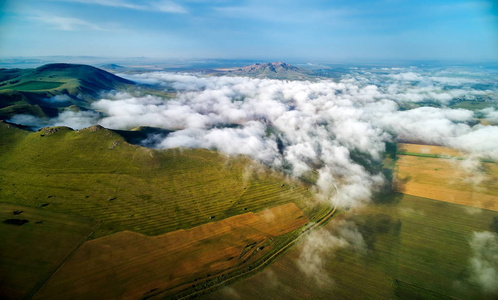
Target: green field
column 33, row 85
column 417, row 248
column 31, row 252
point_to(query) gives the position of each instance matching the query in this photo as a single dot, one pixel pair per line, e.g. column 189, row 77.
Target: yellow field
column 428, row 149
column 447, row 179
column 129, row 265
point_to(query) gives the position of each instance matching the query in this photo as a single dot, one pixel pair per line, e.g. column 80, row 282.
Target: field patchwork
column 129, row 265
column 414, row 248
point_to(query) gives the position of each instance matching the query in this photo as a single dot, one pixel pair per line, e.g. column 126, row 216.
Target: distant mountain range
column 43, row 91
column 274, row 70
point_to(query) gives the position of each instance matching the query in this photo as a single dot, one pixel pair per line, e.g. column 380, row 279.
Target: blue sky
column 312, row 30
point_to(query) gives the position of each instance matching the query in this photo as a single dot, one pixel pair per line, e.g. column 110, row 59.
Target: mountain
column 275, row 70
column 45, row 90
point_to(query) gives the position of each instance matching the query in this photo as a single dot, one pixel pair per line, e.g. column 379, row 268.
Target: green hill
column 44, row 91
column 95, row 173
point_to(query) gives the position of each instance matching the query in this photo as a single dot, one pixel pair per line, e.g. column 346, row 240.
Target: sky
column 312, row 30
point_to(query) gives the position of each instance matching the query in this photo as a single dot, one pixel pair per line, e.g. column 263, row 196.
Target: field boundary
column 442, row 156
column 38, row 286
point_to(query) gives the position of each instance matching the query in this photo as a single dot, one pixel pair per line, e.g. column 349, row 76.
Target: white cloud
column 490, row 114
column 66, row 23
column 408, row 76
column 484, row 263
column 162, row 6
column 320, row 245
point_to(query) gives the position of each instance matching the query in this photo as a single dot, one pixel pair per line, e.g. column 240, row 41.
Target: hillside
column 45, row 90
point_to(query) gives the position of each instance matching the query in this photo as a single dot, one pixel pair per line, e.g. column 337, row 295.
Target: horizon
column 338, row 32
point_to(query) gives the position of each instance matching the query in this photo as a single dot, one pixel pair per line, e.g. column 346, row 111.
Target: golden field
column 456, row 180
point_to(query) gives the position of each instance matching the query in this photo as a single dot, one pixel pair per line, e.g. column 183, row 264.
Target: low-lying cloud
column 484, row 262
column 320, row 245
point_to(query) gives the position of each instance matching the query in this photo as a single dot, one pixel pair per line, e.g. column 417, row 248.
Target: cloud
column 161, row 6
column 66, row 23
column 75, row 120
column 490, row 114
column 320, row 245
column 408, row 76
column 484, row 262
column 57, row 99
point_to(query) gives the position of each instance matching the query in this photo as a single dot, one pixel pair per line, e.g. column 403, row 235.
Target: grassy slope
column 417, row 249
column 95, row 173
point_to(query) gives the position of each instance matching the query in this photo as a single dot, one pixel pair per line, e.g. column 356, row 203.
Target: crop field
column 31, row 251
column 428, row 149
column 112, row 267
column 34, row 85
column 447, row 179
column 94, row 173
column 416, row 248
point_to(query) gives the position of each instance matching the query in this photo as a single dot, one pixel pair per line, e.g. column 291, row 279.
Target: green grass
column 34, row 85
column 30, row 253
column 417, row 248
column 96, row 174
column 484, row 160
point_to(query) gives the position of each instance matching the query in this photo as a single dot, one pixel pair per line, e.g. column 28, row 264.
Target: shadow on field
column 373, row 225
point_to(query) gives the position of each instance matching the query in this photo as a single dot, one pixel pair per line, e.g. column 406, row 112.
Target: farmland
column 447, row 179
column 415, row 249
column 185, row 257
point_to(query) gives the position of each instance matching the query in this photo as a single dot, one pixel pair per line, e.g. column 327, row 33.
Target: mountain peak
column 277, row 70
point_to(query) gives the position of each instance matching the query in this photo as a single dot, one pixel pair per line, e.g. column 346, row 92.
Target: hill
column 87, row 189
column 274, row 70
column 45, row 90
